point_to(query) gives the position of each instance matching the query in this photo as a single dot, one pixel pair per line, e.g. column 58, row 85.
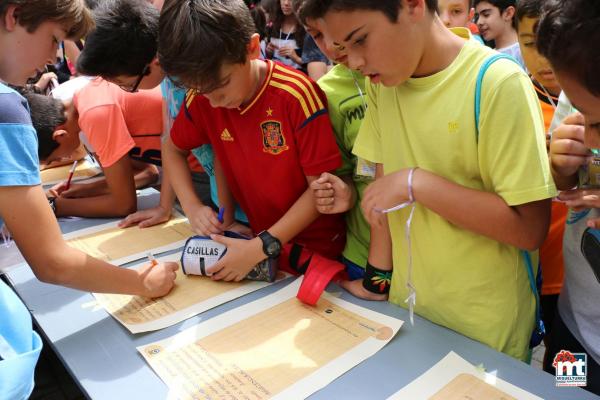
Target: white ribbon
column 412, row 291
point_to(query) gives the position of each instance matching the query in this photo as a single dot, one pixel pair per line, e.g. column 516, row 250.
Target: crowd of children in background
column 418, row 143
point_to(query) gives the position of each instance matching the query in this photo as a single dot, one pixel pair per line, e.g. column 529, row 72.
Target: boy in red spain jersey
column 268, row 126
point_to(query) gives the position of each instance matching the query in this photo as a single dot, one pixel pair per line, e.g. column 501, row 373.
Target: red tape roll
column 320, row 272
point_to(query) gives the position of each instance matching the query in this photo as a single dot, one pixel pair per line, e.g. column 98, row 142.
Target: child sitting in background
column 496, row 22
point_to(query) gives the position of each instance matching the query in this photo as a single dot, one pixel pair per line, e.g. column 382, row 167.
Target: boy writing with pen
column 286, row 141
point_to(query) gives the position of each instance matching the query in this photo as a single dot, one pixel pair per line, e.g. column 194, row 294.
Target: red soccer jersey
column 268, row 148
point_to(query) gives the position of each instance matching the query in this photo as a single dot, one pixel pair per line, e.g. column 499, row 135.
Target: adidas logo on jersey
column 226, row 136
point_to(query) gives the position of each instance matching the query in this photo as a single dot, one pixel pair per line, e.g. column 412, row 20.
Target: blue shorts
column 354, row 271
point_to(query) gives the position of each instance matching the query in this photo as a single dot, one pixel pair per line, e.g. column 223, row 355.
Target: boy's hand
column 386, row 192
column 76, row 190
column 204, row 221
column 242, row 255
column 271, row 47
column 45, row 79
column 583, row 199
column 158, row 280
column 567, row 151
column 240, row 229
column 145, row 218
column 356, row 288
column 332, row 194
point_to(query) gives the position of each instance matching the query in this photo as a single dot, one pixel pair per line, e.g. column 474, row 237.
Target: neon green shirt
column 465, row 281
column 347, row 106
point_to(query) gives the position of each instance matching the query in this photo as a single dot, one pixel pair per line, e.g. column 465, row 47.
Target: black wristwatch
column 271, row 245
column 52, row 202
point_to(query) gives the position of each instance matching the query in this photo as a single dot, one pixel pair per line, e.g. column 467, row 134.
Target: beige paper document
column 454, row 378
column 191, row 296
column 119, row 246
column 84, row 170
column 272, row 348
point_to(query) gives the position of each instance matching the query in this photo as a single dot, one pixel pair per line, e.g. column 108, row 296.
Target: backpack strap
column 479, row 82
column 539, row 330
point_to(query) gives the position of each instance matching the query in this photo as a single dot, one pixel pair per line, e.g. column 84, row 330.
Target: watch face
column 273, row 248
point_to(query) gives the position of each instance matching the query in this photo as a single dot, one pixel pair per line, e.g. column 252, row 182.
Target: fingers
column 132, row 219
column 170, row 265
column 317, row 185
column 324, row 193
column 593, row 223
column 206, row 222
column 574, row 119
column 224, row 240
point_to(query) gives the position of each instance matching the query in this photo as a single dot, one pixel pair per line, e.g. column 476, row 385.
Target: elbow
column 534, row 240
column 126, row 208
column 54, row 271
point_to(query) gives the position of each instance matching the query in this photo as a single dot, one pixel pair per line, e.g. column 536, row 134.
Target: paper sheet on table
column 119, row 246
column 191, row 295
column 275, row 347
column 454, row 378
column 85, row 169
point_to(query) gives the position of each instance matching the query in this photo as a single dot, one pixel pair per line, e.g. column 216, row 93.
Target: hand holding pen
column 71, row 172
column 157, row 278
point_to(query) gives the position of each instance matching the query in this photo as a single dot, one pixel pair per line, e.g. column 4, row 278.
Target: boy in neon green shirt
column 479, row 199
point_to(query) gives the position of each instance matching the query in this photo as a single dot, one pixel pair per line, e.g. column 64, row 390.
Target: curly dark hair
column 565, row 36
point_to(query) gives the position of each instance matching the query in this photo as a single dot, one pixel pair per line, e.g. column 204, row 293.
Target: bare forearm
column 103, row 206
column 380, row 247
column 226, row 199
column 73, row 268
column 36, row 232
column 178, row 173
column 167, row 194
column 296, row 219
column 482, row 212
column 145, row 176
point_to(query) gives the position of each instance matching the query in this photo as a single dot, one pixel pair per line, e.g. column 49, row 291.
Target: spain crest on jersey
column 273, row 139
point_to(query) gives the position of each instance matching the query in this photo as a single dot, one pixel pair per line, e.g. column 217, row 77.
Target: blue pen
column 220, row 216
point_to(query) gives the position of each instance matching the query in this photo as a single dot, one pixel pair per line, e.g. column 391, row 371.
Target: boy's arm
column 155, row 215
column 118, row 202
column 162, row 212
column 202, row 218
column 242, row 255
column 380, row 254
column 567, row 151
column 144, row 175
column 333, row 194
column 524, row 226
column 28, row 217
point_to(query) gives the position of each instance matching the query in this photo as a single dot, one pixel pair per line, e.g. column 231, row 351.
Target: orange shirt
column 117, row 123
column 551, row 252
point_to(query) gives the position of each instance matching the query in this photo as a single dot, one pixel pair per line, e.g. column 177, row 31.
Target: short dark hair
column 501, row 5
column 47, row 113
column 72, row 15
column 197, row 37
column 313, row 9
column 124, row 41
column 529, row 9
column 565, row 31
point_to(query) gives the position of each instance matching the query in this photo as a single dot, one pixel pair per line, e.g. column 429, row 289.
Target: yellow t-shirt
column 465, row 281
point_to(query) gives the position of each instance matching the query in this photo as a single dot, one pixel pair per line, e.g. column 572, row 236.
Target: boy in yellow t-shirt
column 479, row 198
